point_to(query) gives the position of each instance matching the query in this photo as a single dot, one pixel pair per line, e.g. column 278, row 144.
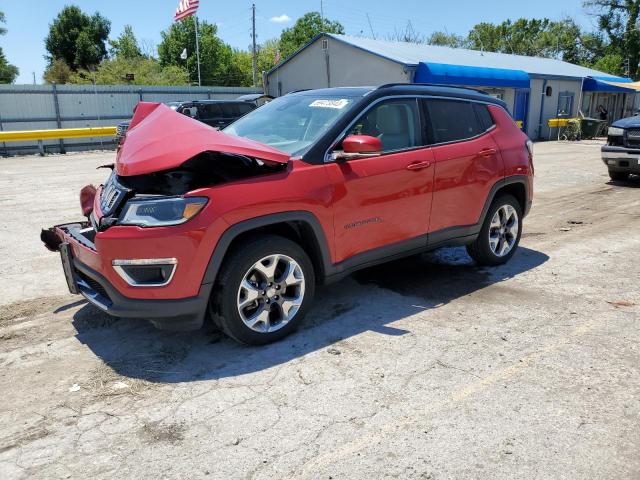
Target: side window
column 229, row 110
column 210, row 110
column 484, row 116
column 245, row 108
column 453, row 120
column 396, row 123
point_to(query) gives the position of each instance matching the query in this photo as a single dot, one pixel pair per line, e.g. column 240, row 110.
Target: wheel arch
column 301, row 227
column 517, row 186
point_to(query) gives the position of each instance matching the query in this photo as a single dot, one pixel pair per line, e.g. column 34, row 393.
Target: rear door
column 380, row 201
column 467, row 164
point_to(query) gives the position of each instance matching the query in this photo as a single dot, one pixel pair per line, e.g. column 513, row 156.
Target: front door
column 380, row 201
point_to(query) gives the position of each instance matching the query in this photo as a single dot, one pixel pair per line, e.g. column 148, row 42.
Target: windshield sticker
column 337, row 104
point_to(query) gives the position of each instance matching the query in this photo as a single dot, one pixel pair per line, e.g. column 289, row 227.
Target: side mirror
column 358, row 146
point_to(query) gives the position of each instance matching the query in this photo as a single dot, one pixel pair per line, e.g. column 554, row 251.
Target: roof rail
column 298, row 91
column 400, row 84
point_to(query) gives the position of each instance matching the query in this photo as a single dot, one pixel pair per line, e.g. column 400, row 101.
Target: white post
column 195, row 17
column 580, row 112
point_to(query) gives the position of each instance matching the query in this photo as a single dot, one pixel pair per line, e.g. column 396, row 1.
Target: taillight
column 529, row 145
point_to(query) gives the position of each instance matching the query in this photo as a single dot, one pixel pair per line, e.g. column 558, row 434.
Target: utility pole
column 255, row 52
column 322, row 11
column 195, row 17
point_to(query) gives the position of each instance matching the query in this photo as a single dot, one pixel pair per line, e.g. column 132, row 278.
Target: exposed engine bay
column 204, row 170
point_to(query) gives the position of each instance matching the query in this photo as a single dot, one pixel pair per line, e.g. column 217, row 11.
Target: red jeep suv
column 242, row 224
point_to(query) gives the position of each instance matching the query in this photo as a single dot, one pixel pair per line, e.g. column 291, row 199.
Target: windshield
column 291, row 123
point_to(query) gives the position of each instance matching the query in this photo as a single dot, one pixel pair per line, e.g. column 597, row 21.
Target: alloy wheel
column 503, row 231
column 271, row 293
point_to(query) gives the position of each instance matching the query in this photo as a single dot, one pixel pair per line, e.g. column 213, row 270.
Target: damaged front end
column 159, row 179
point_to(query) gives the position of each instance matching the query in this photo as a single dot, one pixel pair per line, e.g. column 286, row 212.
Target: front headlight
column 615, row 131
column 160, row 212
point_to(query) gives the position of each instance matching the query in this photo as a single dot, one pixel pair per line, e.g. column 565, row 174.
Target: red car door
column 383, row 200
column 467, row 163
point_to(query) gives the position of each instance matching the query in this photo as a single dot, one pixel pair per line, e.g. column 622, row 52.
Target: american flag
column 186, row 8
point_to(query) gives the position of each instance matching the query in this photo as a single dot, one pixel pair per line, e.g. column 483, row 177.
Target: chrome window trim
column 328, row 158
column 118, row 264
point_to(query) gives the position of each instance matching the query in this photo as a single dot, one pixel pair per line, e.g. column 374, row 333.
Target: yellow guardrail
column 58, row 134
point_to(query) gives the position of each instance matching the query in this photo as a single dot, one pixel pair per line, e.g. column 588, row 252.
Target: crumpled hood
column 627, row 122
column 160, row 139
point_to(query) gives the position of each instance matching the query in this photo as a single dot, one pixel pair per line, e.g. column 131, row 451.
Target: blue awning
column 607, row 84
column 445, row 74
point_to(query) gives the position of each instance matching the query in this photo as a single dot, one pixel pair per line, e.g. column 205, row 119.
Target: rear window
column 453, row 120
column 484, row 116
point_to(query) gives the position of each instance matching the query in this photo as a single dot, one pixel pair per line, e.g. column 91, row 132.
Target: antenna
column 373, row 34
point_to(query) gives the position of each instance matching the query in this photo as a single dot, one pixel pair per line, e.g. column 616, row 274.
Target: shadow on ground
column 371, row 300
column 632, row 182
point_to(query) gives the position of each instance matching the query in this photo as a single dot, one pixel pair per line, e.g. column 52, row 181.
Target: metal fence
column 39, row 107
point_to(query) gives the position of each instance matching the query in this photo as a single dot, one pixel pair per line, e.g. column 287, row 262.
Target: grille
column 95, row 286
column 111, row 195
column 633, row 137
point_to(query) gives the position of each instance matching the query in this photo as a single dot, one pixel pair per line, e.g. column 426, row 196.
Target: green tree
column 444, row 39
column 561, row 39
column 145, row 71
column 305, row 28
column 58, row 72
column 216, row 57
column 126, row 45
column 619, row 20
column 77, row 38
column 8, row 72
column 612, row 63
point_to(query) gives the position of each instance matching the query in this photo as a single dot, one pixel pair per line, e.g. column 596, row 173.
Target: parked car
column 621, row 154
column 242, row 224
column 215, row 113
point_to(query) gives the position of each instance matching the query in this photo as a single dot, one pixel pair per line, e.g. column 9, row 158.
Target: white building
column 535, row 89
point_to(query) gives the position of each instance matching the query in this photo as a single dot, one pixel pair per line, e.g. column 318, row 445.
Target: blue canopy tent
column 464, row 75
column 608, row 84
column 445, row 74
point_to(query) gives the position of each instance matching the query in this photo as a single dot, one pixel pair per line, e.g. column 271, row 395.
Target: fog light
column 611, row 162
column 156, row 272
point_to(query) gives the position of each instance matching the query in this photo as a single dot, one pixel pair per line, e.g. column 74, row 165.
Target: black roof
column 406, row 89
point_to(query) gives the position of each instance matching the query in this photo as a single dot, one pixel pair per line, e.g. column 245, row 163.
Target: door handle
column 487, row 152
column 419, row 165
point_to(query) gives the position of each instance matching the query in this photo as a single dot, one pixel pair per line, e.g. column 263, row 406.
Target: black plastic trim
column 182, row 314
column 233, row 232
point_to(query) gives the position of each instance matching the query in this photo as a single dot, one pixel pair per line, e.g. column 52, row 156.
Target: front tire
column 618, row 176
column 263, row 291
column 500, row 234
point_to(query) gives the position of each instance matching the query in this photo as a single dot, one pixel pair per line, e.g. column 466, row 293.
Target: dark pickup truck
column 621, row 154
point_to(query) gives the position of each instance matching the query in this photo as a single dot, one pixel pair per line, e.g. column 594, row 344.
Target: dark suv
column 241, row 224
column 621, row 154
column 215, row 113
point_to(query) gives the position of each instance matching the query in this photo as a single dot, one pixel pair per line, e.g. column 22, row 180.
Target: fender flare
column 514, row 179
column 300, row 216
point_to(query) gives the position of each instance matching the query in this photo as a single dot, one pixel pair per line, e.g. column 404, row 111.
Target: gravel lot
column 426, row 368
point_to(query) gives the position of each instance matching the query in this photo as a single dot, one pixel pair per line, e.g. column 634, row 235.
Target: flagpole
column 198, row 51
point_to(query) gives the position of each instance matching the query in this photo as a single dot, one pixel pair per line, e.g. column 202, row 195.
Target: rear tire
column 618, row 176
column 500, row 234
column 264, row 289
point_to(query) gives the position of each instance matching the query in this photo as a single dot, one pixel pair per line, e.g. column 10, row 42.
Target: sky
column 28, row 20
